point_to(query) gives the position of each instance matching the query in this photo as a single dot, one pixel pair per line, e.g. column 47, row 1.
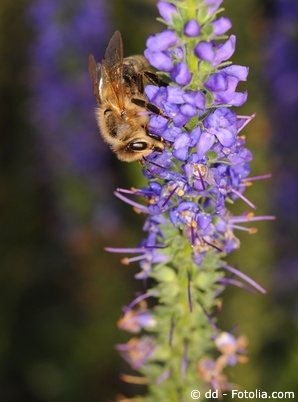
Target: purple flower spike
column 221, row 26
column 201, row 166
column 167, row 11
column 192, row 28
column 181, row 74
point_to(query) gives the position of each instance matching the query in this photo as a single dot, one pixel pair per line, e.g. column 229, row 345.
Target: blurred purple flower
column 62, row 106
column 281, row 75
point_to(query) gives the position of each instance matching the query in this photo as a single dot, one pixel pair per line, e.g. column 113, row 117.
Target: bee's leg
column 149, row 106
column 155, row 136
column 148, row 77
column 153, row 78
column 160, row 139
column 140, row 83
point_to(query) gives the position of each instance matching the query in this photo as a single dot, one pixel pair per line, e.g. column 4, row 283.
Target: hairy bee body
column 122, row 112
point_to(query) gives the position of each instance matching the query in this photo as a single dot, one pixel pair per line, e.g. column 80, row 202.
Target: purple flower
column 175, row 95
column 188, row 110
column 158, row 125
column 62, row 104
column 137, row 351
column 192, row 28
column 222, row 124
column 184, row 214
column 213, row 5
column 195, row 98
column 181, row 145
column 203, row 167
column 181, row 74
column 221, row 26
column 162, row 41
column 135, row 320
column 223, row 85
column 157, row 52
column 167, row 11
column 205, row 51
column 205, row 143
column 159, row 60
column 216, row 54
column 225, row 51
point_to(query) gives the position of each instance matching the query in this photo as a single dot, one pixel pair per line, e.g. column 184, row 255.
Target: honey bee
column 122, row 113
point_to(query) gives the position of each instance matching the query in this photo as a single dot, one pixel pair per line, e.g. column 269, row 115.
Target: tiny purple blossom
column 188, row 110
column 192, row 28
column 239, row 72
column 213, row 5
column 135, row 321
column 137, row 351
column 181, row 146
column 205, row 51
column 221, row 26
column 159, row 60
column 205, row 142
column 181, row 74
column 222, row 124
column 225, row 51
column 162, row 41
column 223, row 85
column 176, row 95
column 157, row 124
column 151, row 91
column 167, row 10
column 215, row 54
column 195, row 98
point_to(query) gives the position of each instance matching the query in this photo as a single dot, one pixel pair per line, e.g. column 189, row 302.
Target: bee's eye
column 138, row 146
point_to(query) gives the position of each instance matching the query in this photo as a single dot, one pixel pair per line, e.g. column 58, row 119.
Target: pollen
column 194, row 224
column 253, row 230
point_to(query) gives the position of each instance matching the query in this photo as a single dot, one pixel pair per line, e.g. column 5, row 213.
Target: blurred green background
column 61, row 294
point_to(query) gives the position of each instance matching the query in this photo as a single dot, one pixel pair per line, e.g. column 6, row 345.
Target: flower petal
column 225, row 51
column 181, row 74
column 162, row 41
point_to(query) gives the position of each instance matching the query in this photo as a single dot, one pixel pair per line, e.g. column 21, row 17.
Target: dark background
column 61, row 294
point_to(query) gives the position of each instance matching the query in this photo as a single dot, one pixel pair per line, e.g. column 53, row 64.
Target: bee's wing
column 112, row 68
column 94, row 72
